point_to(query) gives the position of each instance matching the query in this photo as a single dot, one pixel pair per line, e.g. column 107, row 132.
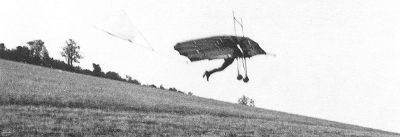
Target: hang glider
column 218, row 47
column 228, row 48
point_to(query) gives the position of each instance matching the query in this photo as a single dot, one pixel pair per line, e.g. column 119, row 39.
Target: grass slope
column 40, row 101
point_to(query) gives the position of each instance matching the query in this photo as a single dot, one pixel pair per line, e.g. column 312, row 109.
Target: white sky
column 337, row 59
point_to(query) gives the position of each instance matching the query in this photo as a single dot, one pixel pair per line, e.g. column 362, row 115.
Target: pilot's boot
column 206, row 74
column 239, row 77
column 246, row 79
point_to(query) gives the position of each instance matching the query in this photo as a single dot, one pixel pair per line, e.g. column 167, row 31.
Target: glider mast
column 235, row 20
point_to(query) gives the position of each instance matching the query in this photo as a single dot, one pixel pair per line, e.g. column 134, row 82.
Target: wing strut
column 243, row 59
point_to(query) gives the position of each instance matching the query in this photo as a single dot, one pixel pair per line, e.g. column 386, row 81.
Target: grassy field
column 40, row 101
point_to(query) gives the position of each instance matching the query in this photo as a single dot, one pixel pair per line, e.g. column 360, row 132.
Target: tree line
column 35, row 52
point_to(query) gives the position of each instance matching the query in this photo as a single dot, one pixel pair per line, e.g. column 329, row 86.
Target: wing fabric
column 250, row 48
column 218, row 47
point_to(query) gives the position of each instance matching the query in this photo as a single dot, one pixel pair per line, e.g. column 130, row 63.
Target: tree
column 2, row 47
column 3, row 52
column 71, row 52
column 130, row 80
column 21, row 54
column 58, row 64
column 113, row 75
column 38, row 49
column 46, row 59
column 97, row 70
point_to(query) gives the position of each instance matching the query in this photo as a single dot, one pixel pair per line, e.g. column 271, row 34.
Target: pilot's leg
column 246, row 78
column 227, row 62
column 239, row 77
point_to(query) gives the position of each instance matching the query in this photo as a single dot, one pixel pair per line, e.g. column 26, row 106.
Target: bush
column 246, row 101
column 130, row 80
column 97, row 70
column 113, row 75
column 162, row 87
column 152, row 85
column 173, row 89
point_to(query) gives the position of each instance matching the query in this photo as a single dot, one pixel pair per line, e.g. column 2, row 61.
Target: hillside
column 40, row 101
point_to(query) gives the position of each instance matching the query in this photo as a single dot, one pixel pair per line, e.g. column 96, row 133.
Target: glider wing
column 217, row 47
column 250, row 48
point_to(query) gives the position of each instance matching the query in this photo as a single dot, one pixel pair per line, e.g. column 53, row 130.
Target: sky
column 336, row 59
